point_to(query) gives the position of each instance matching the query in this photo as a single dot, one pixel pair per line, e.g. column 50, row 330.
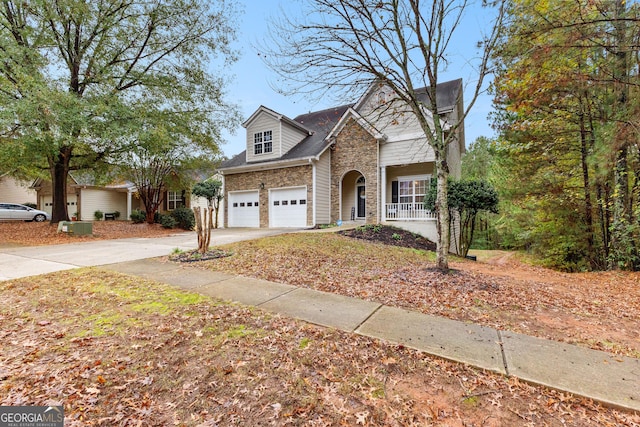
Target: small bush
column 98, row 215
column 138, row 216
column 116, row 214
column 31, row 205
column 167, row 221
column 185, row 218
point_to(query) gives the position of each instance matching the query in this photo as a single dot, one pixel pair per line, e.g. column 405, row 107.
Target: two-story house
column 368, row 161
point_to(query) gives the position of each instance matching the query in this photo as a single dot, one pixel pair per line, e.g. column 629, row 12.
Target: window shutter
column 394, row 191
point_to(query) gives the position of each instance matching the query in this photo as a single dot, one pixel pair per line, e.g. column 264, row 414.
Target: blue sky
column 250, row 87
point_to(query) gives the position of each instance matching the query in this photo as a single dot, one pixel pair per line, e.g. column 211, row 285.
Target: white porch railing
column 407, row 212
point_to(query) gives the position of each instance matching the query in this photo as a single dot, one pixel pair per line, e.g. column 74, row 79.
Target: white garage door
column 244, row 209
column 46, row 204
column 288, row 207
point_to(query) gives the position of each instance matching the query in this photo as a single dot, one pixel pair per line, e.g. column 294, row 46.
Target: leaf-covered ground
column 121, row 351
column 37, row 233
column 598, row 310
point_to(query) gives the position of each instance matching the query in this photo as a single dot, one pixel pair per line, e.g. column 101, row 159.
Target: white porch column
column 128, row 204
column 383, row 192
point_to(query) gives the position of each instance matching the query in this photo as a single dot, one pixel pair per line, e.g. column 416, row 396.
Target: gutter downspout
column 313, row 190
column 378, row 192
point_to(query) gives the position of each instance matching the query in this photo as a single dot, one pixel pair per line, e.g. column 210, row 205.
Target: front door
column 361, row 202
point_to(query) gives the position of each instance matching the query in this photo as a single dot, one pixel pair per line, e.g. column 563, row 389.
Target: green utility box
column 81, row 228
column 77, row 228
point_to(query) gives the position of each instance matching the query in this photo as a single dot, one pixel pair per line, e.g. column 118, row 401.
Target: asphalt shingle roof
column 320, row 123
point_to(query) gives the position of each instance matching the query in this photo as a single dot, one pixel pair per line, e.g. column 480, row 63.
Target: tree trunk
column 204, row 221
column 442, row 208
column 151, row 200
column 217, row 208
column 59, row 170
column 588, row 206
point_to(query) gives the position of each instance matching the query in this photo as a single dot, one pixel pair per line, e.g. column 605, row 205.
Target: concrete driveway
column 18, row 262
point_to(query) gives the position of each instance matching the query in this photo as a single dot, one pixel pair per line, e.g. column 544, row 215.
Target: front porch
column 407, row 212
column 398, row 196
column 404, row 188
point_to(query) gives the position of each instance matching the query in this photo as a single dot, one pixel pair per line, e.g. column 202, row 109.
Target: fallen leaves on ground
column 118, row 350
column 39, row 233
column 598, row 310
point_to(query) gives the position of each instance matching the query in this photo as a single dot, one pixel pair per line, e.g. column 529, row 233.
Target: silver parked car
column 16, row 212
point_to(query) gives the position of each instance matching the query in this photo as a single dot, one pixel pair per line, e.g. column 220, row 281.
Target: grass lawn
column 597, row 310
column 117, row 350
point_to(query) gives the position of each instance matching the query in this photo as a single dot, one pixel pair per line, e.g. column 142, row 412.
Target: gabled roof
column 264, row 110
column 317, row 123
column 447, row 95
column 353, row 114
column 321, row 124
column 87, row 179
column 39, row 181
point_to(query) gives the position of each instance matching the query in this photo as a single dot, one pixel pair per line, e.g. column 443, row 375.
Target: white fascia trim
column 267, row 166
column 277, row 116
column 261, row 109
column 360, row 120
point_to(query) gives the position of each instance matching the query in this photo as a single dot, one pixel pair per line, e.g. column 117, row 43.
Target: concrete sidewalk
column 604, row 377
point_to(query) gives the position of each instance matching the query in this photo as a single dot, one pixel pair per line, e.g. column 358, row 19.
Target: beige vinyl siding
column 405, row 152
column 290, row 137
column 323, row 189
column 263, row 122
column 93, row 199
column 391, row 116
column 454, row 159
column 14, row 191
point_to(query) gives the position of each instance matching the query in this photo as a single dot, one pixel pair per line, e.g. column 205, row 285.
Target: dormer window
column 263, row 142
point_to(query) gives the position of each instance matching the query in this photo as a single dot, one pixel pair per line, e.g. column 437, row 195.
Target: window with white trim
column 263, row 142
column 174, row 200
column 413, row 189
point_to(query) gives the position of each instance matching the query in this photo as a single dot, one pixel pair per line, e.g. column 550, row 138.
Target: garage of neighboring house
column 46, row 203
column 288, row 207
column 244, row 209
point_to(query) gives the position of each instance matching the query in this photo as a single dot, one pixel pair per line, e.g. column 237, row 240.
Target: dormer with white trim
column 270, row 135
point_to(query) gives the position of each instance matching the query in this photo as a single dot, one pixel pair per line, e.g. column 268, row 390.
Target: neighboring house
column 85, row 197
column 13, row 190
column 367, row 162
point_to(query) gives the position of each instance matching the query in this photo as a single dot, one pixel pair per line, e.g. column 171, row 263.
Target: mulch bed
column 194, row 255
column 390, row 236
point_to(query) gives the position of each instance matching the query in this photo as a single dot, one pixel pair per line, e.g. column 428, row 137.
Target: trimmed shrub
column 98, row 215
column 185, row 218
column 167, row 221
column 138, row 216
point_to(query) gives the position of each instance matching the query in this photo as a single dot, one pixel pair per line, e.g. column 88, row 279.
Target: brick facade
column 355, row 150
column 275, row 178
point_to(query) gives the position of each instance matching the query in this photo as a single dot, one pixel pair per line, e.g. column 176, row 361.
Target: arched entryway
column 353, row 200
column 361, row 198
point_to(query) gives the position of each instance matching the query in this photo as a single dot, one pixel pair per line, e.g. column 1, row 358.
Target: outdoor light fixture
column 262, row 185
